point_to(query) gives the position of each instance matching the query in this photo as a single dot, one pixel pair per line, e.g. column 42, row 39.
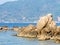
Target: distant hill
column 28, row 10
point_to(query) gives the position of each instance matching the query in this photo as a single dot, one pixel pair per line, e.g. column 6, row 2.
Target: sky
column 4, row 1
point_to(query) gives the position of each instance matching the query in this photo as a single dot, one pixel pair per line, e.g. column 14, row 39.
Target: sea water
column 7, row 38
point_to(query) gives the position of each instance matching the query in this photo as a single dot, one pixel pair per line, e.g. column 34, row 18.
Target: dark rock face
column 45, row 29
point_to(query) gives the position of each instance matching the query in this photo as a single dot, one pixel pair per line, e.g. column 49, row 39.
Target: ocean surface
column 7, row 38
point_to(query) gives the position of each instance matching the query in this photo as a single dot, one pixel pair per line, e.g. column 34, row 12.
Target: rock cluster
column 28, row 31
column 45, row 29
column 4, row 28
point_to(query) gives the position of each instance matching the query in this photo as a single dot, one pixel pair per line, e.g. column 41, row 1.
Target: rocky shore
column 45, row 29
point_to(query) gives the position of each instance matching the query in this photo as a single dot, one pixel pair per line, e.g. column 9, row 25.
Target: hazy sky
column 4, row 1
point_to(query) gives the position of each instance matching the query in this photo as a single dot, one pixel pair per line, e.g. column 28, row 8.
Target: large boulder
column 43, row 37
column 46, row 27
column 43, row 21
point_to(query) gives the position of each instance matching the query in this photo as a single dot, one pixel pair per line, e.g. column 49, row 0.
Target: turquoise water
column 6, row 38
column 16, row 24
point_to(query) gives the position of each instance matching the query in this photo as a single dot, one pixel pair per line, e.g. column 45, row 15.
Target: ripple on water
column 6, row 38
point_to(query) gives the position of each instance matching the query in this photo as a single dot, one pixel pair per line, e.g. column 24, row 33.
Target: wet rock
column 45, row 34
column 43, row 37
column 57, row 39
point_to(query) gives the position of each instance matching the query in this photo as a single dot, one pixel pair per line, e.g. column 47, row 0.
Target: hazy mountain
column 28, row 10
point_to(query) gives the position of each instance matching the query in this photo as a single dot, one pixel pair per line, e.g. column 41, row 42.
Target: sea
column 7, row 38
